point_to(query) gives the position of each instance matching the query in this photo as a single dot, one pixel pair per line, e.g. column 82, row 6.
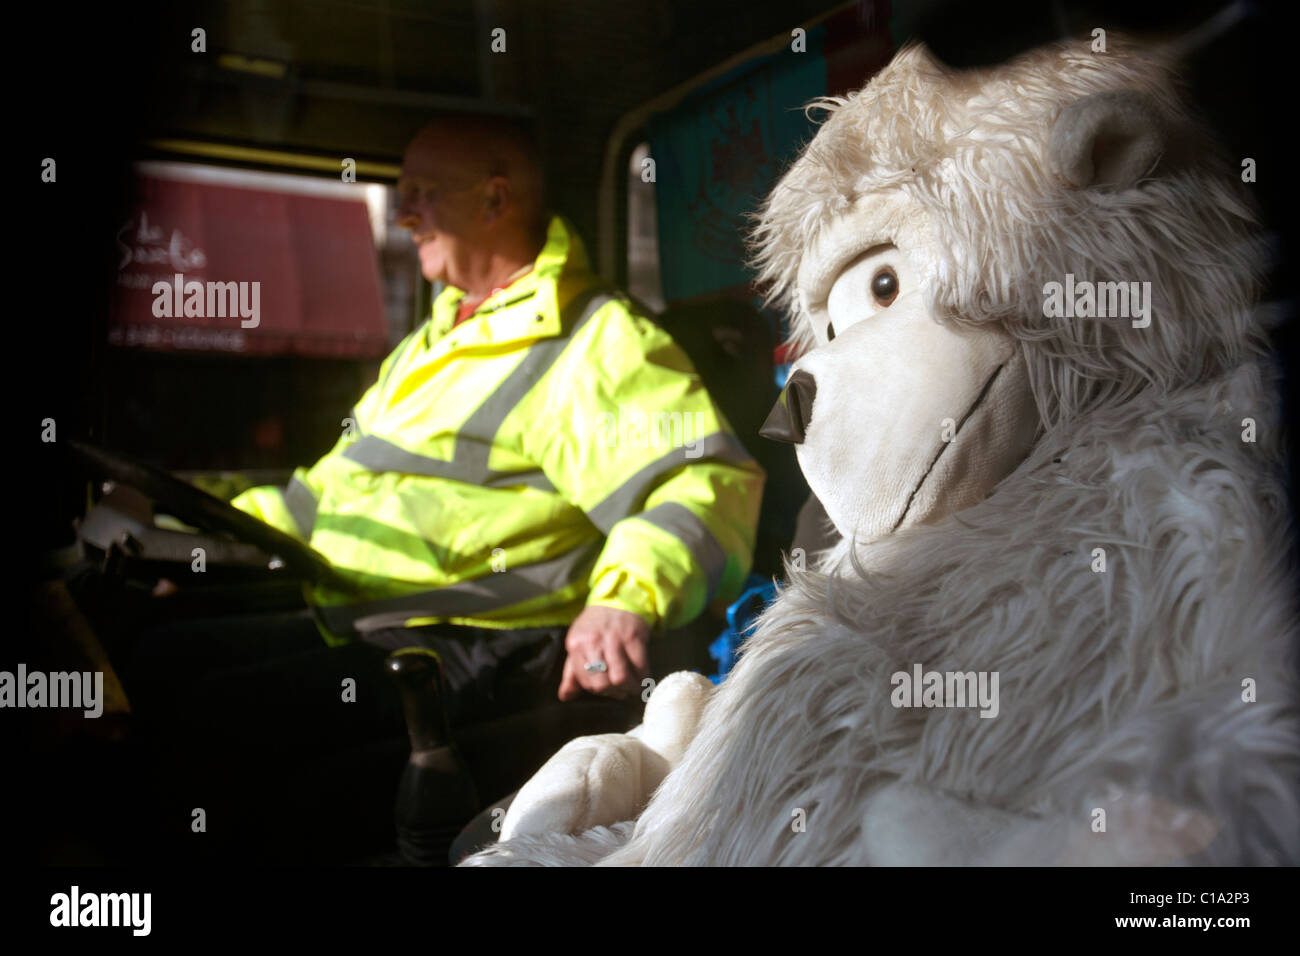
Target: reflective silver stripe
column 469, row 462
column 301, row 503
column 466, row 598
column 474, row 438
column 687, row 527
column 378, row 454
column 629, row 496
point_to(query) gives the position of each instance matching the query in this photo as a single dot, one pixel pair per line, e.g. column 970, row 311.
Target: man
column 536, row 482
column 537, row 454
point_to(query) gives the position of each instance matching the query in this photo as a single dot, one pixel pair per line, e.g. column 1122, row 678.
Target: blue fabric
column 741, row 618
column 717, row 154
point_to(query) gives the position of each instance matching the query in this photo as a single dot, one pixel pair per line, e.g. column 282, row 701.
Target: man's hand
column 618, row 638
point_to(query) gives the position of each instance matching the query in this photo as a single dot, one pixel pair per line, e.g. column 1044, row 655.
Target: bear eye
column 869, row 284
column 884, row 287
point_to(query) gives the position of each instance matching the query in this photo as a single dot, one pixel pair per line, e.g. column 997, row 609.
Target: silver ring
column 596, row 667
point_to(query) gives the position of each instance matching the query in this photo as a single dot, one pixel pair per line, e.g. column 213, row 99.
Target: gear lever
column 436, row 795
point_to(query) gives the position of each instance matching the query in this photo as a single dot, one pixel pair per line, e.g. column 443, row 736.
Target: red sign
column 205, row 267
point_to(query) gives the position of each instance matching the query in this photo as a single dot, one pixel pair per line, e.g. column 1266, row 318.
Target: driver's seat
column 442, row 779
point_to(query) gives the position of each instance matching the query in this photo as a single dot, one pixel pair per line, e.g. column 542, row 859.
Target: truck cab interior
column 266, row 136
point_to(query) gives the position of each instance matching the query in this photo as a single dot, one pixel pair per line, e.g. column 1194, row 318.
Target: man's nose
column 792, row 414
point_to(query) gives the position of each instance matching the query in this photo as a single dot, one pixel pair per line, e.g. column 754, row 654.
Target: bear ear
column 1107, row 139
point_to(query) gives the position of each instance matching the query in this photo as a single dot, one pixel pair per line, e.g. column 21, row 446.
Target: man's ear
column 496, row 197
column 1107, row 139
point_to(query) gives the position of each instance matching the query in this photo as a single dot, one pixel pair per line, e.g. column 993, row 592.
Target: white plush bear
column 1034, row 399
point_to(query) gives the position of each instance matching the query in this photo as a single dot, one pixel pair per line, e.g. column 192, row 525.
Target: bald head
column 471, row 193
column 468, row 149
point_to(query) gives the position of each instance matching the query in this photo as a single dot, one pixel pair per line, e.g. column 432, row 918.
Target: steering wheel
column 196, row 507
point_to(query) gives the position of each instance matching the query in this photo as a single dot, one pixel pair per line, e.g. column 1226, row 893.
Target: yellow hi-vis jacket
column 555, row 450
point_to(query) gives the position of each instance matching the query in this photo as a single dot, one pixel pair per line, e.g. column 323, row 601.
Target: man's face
column 440, row 200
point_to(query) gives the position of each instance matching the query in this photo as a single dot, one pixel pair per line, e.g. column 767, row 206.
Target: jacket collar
column 529, row 308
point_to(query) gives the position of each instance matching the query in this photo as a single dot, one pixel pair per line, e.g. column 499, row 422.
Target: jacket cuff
column 266, row 503
column 618, row 589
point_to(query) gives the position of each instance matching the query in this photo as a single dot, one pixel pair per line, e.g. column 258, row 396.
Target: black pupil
column 884, row 285
column 830, row 331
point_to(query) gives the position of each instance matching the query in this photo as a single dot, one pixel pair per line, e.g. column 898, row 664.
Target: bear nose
column 792, row 413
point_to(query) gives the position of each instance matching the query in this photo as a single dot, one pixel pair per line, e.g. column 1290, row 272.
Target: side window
column 406, row 293
column 304, row 283
column 643, row 280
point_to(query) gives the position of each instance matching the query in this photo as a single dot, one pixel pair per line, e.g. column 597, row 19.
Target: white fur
column 969, row 152
column 603, row 779
column 1125, row 681
column 554, row 849
column 1120, row 690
